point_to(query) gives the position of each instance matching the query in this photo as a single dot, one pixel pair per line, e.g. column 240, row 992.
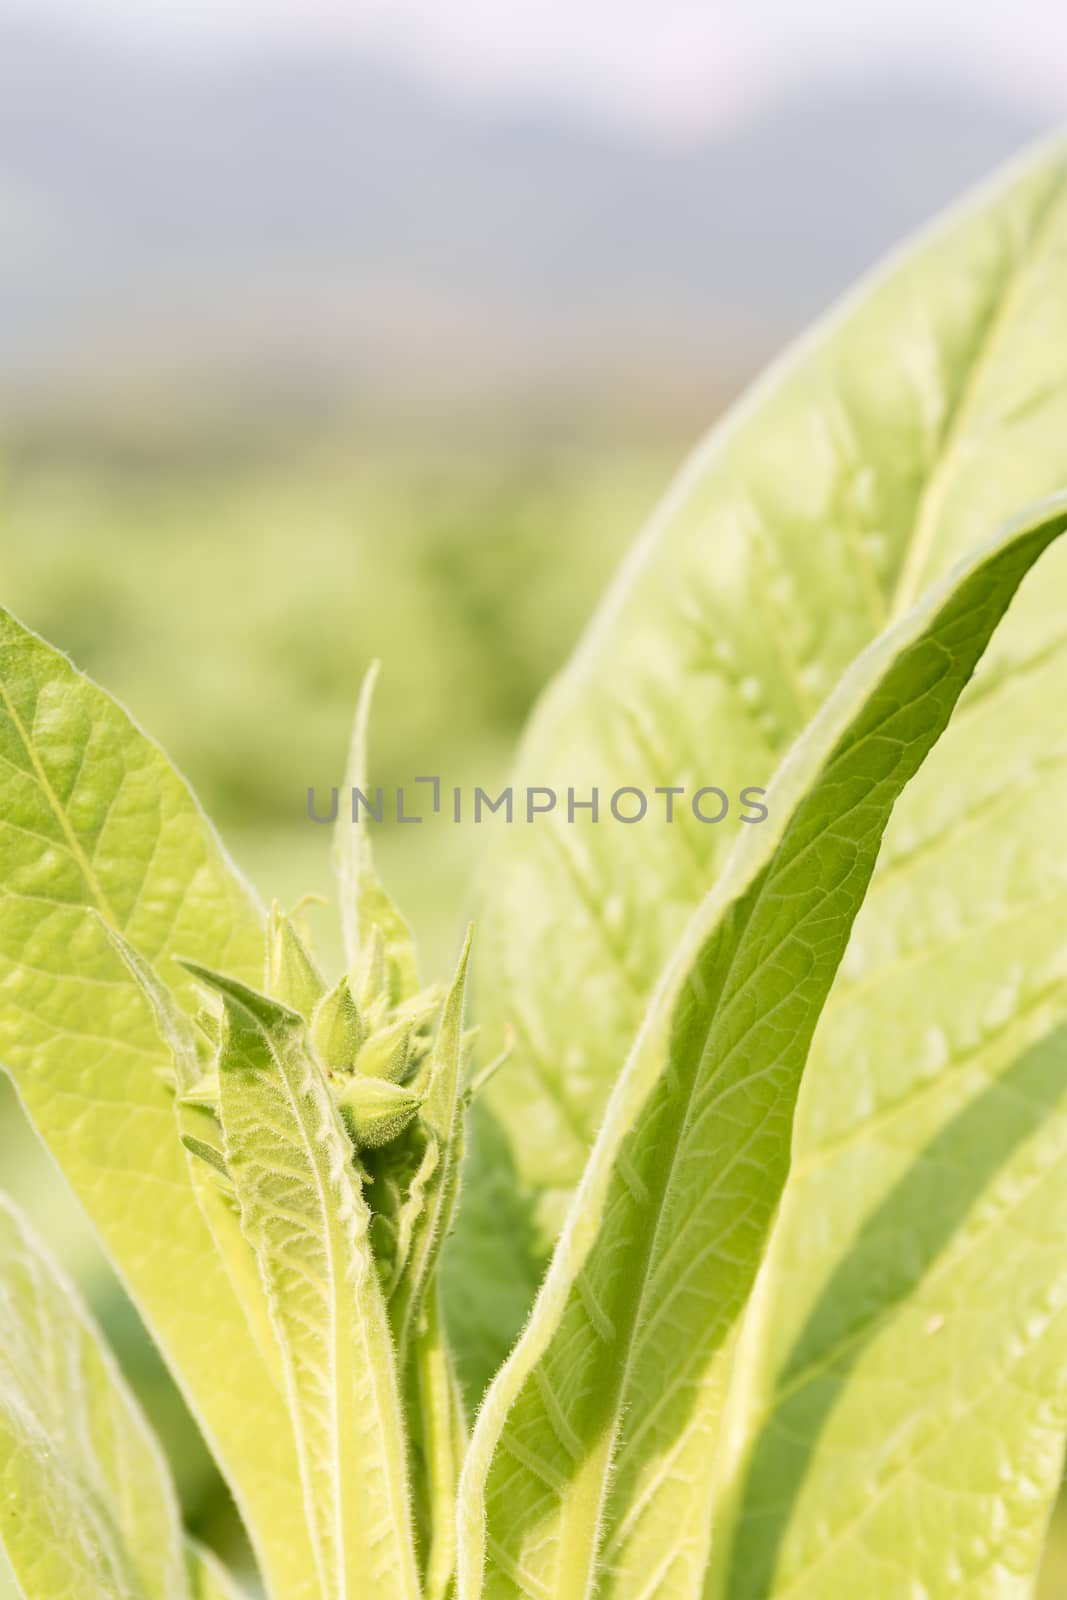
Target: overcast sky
column 662, row 64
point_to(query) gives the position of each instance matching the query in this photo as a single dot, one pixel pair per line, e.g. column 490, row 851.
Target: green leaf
column 592, row 1460
column 424, row 1217
column 303, row 1211
column 97, row 828
column 437, row 1181
column 365, row 905
column 200, row 1132
column 923, row 413
column 338, row 1030
column 440, row 1440
column 292, row 976
column 87, row 1509
column 932, row 406
column 208, row 1578
column 900, row 1403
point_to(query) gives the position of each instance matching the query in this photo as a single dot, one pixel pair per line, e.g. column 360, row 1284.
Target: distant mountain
column 321, row 216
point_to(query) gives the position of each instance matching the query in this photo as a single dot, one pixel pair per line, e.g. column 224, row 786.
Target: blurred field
column 234, row 605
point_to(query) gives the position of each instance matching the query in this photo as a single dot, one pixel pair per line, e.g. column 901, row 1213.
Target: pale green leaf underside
column 930, row 408
column 303, row 1211
column 87, row 1510
column 96, row 828
column 592, row 1462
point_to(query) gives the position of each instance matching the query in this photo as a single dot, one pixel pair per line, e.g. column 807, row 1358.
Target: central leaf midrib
column 654, row 1207
column 338, row 1516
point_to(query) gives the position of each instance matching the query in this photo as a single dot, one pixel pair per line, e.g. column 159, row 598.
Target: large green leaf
column 592, row 1461
column 87, row 1509
column 97, row 831
column 303, row 1210
column 897, row 1420
column 887, row 445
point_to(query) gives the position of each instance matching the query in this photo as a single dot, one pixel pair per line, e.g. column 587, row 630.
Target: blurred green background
column 339, row 333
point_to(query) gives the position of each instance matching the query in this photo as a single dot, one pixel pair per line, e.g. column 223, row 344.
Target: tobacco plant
column 756, row 1282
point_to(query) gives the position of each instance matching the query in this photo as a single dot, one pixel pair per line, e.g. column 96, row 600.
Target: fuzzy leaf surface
column 98, row 832
column 365, row 904
column 302, row 1209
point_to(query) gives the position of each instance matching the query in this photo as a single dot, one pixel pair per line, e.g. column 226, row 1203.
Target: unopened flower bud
column 376, row 1111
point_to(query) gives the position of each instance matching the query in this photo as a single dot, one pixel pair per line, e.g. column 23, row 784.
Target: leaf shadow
column 889, row 1259
column 491, row 1265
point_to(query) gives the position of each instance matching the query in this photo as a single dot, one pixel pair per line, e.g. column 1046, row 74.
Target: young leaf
column 441, row 1124
column 932, row 406
column 337, row 1029
column 97, row 828
column 87, row 1509
column 304, row 1213
column 440, row 1440
column 591, row 1463
column 292, row 976
column 423, row 1219
column 365, row 906
column 200, row 1132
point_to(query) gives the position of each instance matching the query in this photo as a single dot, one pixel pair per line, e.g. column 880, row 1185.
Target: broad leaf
column 87, row 1509
column 931, row 407
column 96, row 828
column 592, row 1461
column 901, row 1401
column 303, row 1210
